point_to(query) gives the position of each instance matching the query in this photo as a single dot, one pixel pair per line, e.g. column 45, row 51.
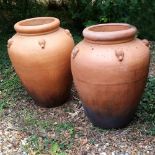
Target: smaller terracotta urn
column 110, row 68
column 40, row 53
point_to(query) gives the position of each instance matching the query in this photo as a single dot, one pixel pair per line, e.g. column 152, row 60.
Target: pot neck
column 111, row 33
column 37, row 26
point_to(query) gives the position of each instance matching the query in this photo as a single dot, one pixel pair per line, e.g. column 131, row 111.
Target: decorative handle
column 42, row 43
column 68, row 32
column 146, row 42
column 119, row 54
column 75, row 52
column 10, row 42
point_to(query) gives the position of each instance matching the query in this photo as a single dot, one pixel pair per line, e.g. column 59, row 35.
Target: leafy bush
column 12, row 11
column 77, row 14
column 140, row 13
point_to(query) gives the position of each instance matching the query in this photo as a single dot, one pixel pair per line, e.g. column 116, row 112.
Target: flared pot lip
column 110, row 32
column 38, row 25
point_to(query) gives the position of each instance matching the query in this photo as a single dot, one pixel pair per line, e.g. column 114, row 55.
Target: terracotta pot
column 40, row 53
column 110, row 68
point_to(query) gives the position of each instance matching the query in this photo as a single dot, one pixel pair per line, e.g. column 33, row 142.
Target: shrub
column 12, row 11
column 77, row 14
column 140, row 13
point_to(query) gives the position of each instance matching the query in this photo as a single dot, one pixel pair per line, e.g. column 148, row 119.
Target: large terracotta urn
column 40, row 54
column 110, row 67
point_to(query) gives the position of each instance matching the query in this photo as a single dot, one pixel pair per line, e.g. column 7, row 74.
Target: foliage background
column 76, row 14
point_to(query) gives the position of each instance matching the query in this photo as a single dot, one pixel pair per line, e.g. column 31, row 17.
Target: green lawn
column 30, row 119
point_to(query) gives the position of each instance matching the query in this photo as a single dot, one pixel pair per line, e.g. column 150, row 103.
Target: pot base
column 107, row 122
column 50, row 101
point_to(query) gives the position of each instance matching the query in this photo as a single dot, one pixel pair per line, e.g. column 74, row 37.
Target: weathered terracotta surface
column 110, row 68
column 40, row 53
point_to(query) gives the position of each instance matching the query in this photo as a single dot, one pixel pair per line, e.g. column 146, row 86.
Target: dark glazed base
column 53, row 102
column 50, row 101
column 106, row 122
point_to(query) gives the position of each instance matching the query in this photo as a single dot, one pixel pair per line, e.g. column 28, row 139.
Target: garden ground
column 26, row 129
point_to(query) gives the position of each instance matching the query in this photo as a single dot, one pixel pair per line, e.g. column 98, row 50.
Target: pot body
column 110, row 79
column 42, row 62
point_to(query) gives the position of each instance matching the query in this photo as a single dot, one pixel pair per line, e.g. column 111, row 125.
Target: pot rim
column 38, row 25
column 110, row 33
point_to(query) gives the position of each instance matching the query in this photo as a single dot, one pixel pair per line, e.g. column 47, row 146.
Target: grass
column 10, row 86
column 64, row 133
column 146, row 110
column 37, row 145
column 62, row 140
